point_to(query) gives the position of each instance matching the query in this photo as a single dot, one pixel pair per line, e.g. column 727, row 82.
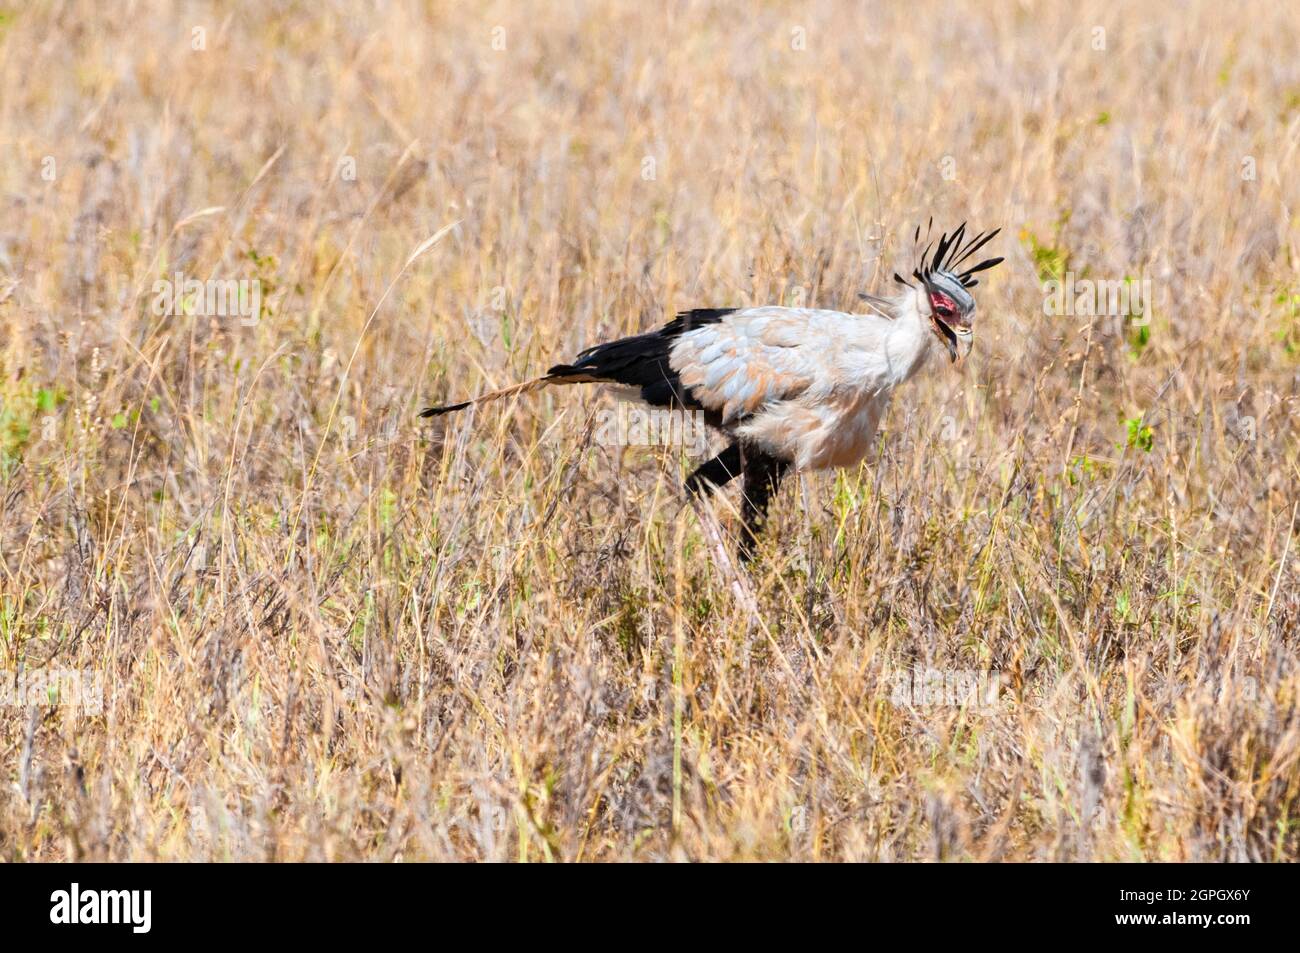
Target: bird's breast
column 819, row 435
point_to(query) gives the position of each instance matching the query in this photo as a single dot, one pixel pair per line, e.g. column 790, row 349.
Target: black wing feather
column 642, row 361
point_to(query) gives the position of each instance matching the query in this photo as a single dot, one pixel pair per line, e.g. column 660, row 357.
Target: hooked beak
column 965, row 339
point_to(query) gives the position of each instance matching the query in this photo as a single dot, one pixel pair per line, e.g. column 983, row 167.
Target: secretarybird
column 790, row 387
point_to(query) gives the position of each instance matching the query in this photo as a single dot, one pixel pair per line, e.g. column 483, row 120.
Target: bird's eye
column 945, row 311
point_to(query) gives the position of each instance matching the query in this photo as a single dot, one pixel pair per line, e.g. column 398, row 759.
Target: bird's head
column 944, row 298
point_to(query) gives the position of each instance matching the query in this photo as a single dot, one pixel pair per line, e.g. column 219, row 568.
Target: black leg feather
column 763, row 474
column 717, row 472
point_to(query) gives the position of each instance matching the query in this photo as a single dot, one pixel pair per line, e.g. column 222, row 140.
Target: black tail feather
column 638, row 361
column 447, row 409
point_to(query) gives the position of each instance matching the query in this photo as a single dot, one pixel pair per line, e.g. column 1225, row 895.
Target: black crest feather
column 949, row 253
column 976, row 243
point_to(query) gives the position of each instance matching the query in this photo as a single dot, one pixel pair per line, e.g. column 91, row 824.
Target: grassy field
column 327, row 631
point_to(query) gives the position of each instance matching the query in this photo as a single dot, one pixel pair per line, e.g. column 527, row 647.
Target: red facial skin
column 943, row 307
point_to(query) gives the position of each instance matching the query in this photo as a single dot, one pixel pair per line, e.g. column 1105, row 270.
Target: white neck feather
column 910, row 341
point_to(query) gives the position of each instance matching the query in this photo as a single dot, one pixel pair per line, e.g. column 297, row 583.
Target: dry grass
column 331, row 633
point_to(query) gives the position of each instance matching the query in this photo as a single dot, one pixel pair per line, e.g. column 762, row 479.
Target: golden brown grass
column 332, row 633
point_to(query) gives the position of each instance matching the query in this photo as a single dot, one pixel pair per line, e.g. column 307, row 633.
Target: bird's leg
column 763, row 474
column 716, row 472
